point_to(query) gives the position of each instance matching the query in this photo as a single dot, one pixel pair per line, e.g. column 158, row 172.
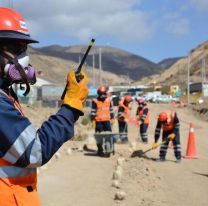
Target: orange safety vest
column 18, row 186
column 170, row 121
column 140, row 113
column 125, row 112
column 103, row 110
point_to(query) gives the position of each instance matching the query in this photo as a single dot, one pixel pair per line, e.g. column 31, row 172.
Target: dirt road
column 81, row 179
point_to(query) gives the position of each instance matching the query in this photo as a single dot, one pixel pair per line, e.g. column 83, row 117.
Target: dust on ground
column 76, row 177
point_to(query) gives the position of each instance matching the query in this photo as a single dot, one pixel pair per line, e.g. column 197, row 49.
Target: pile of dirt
column 140, row 181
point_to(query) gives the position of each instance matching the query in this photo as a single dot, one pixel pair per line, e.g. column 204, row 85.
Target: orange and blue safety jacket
column 143, row 114
column 172, row 124
column 23, row 148
column 123, row 112
column 101, row 111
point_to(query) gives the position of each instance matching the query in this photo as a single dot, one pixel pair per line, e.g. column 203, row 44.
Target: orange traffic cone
column 191, row 148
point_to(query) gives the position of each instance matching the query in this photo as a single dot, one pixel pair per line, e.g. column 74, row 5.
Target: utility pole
column 188, row 79
column 203, row 71
column 100, row 65
column 93, row 68
column 79, row 60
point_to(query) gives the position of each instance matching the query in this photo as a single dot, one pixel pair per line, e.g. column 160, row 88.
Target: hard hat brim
column 17, row 36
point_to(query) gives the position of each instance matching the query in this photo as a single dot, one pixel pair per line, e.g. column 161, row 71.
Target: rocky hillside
column 114, row 60
column 166, row 63
column 55, row 69
column 177, row 73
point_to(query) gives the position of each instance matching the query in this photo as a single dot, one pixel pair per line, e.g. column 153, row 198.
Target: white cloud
column 201, row 5
column 179, row 26
column 119, row 19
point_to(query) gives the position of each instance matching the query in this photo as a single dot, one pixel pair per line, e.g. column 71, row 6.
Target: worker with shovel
column 123, row 117
column 23, row 148
column 168, row 121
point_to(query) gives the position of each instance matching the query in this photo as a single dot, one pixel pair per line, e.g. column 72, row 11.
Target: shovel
column 140, row 153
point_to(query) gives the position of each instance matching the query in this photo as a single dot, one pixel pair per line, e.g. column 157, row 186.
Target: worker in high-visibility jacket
column 23, row 148
column 143, row 118
column 102, row 114
column 123, row 117
column 168, row 121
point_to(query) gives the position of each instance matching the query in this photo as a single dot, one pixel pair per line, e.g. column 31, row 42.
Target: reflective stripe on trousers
column 176, row 145
column 123, row 130
column 143, row 132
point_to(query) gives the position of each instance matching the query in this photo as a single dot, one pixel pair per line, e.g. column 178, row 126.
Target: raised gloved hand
column 154, row 145
column 93, row 124
column 76, row 92
column 171, row 136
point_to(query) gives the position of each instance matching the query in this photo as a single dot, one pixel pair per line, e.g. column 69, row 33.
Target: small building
column 175, row 91
column 199, row 87
column 51, row 95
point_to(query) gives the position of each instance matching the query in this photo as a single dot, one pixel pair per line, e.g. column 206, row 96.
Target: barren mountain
column 177, row 73
column 55, row 69
column 166, row 63
column 114, row 60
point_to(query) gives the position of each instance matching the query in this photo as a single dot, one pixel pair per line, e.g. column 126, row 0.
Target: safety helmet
column 162, row 116
column 13, row 26
column 102, row 89
column 140, row 101
column 127, row 99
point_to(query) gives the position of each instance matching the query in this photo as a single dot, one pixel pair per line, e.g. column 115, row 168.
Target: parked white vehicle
column 164, row 99
column 151, row 95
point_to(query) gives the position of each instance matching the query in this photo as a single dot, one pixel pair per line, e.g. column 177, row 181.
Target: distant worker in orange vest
column 143, row 117
column 23, row 148
column 102, row 114
column 168, row 121
column 123, row 117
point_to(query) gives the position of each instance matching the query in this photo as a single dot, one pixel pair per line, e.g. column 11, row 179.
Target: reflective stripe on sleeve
column 143, row 116
column 12, row 171
column 21, row 144
column 120, row 113
column 36, row 153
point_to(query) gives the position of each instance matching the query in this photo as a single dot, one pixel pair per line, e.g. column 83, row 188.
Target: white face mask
column 23, row 59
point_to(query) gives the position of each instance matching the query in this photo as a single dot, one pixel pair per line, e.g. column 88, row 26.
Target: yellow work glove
column 154, row 145
column 171, row 136
column 93, row 124
column 76, row 93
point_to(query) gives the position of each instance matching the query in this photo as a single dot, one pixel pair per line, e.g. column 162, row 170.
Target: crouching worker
column 102, row 115
column 169, row 123
column 22, row 147
column 143, row 119
column 123, row 117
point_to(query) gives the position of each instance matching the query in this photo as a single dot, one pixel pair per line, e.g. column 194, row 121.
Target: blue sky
column 154, row 29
